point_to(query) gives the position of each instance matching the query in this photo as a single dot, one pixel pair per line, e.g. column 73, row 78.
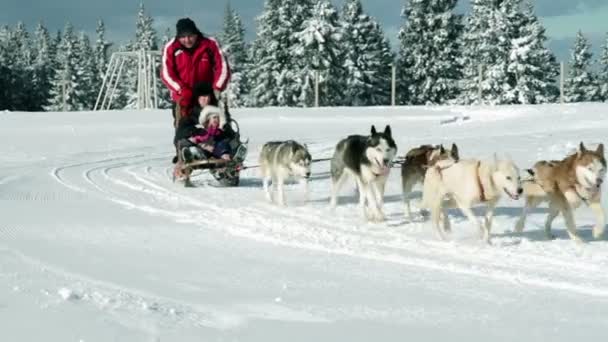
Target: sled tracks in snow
column 142, row 182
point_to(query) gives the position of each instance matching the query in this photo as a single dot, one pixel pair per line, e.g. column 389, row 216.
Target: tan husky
column 416, row 162
column 566, row 184
column 466, row 183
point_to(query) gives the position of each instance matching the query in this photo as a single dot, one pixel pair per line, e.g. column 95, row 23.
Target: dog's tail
column 337, row 161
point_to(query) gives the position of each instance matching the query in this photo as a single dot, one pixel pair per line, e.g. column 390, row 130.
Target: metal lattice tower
column 147, row 81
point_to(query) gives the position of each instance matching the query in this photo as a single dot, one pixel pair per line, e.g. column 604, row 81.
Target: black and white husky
column 368, row 160
column 280, row 160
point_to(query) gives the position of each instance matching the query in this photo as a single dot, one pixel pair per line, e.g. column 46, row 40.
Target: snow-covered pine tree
column 233, row 43
column 127, row 81
column 532, row 64
column 269, row 55
column 603, row 73
column 101, row 58
column 145, row 39
column 367, row 58
column 5, row 68
column 380, row 63
column 166, row 36
column 43, row 67
column 277, row 76
column 164, row 97
column 86, row 90
column 430, row 39
column 581, row 84
column 486, row 44
column 292, row 79
column 64, row 85
column 319, row 48
column 21, row 49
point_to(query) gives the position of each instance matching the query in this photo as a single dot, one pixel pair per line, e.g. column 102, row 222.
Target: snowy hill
column 97, row 243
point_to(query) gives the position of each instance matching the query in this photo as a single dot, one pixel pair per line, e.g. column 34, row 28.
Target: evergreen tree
column 167, row 36
column 278, row 76
column 22, row 69
column 5, row 68
column 269, row 53
column 319, row 47
column 64, row 85
column 487, row 45
column 43, row 67
column 430, row 39
column 86, row 89
column 233, row 44
column 534, row 67
column 292, row 80
column 101, row 56
column 164, row 97
column 145, row 39
column 603, row 73
column 581, row 85
column 145, row 34
column 367, row 58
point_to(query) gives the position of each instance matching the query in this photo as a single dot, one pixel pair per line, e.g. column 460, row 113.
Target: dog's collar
column 575, row 188
column 439, row 168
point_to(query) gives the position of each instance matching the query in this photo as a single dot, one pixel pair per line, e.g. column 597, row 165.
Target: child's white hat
column 210, row 111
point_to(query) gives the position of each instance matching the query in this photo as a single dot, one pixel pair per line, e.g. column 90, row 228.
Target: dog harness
column 482, row 194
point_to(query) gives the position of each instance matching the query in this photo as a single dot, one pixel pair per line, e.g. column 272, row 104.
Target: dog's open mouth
column 384, row 169
column 513, row 196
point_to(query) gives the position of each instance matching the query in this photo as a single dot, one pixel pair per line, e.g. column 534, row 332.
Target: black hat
column 202, row 89
column 185, row 26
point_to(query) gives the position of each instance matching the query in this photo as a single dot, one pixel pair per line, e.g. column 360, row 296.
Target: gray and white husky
column 280, row 160
column 368, row 159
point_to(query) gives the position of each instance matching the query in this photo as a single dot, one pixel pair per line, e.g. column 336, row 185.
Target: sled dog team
column 448, row 181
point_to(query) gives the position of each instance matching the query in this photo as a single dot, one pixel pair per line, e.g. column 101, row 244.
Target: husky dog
column 469, row 182
column 368, row 160
column 417, row 161
column 566, row 184
column 281, row 159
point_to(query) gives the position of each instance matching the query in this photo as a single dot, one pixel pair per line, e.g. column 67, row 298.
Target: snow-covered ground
column 97, row 243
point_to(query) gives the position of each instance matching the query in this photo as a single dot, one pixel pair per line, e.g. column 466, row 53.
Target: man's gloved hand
column 185, row 97
column 184, row 111
column 217, row 94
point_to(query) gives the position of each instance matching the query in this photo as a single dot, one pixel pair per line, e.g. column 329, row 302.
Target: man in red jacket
column 190, row 58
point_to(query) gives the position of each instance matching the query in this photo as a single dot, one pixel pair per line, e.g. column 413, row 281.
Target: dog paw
column 597, row 233
column 577, row 239
column 488, row 240
column 380, row 217
column 442, row 236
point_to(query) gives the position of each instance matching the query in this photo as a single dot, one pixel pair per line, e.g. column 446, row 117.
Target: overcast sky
column 562, row 18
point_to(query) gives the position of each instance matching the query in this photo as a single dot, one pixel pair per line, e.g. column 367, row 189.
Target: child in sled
column 200, row 135
column 210, row 141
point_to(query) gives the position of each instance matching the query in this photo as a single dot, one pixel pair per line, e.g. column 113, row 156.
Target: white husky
column 465, row 183
column 280, row 160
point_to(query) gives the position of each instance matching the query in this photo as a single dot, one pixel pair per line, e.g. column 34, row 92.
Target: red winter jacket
column 183, row 68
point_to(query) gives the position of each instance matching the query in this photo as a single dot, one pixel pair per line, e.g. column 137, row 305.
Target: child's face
column 203, row 100
column 214, row 120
